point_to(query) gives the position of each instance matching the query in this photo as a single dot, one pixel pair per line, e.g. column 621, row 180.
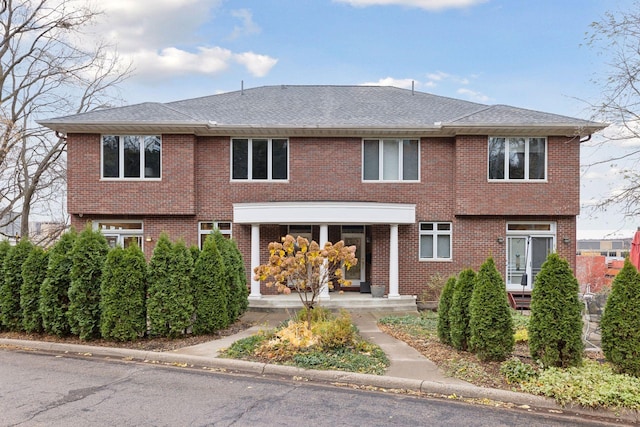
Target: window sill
column 435, row 259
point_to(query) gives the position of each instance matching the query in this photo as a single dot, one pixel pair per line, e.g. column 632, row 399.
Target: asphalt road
column 49, row 390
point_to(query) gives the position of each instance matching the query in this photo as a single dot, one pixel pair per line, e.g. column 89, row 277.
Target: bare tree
column 617, row 37
column 47, row 69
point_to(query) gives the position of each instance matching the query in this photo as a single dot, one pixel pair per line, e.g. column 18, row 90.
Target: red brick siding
column 196, row 187
column 560, row 195
column 173, row 195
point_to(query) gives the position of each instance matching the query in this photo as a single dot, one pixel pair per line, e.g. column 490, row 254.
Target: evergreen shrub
column 459, row 311
column 54, row 292
column 490, row 323
column 446, row 300
column 620, row 323
column 34, row 272
column 555, row 328
column 12, row 284
column 211, row 290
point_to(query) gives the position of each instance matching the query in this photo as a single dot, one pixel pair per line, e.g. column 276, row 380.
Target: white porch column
column 255, row 261
column 393, row 262
column 324, row 238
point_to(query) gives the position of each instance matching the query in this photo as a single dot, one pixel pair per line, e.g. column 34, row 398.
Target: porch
column 351, row 301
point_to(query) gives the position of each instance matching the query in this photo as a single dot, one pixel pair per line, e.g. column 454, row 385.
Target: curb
column 523, row 400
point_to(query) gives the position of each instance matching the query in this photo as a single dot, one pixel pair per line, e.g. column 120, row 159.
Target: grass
column 593, row 385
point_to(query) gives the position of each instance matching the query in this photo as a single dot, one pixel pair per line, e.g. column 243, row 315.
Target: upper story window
column 390, row 160
column 259, row 159
column 518, row 158
column 131, row 156
column 435, row 241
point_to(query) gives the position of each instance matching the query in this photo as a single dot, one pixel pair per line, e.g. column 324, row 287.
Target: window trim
column 381, row 161
column 435, row 233
column 120, row 233
column 227, row 232
column 121, row 176
column 250, row 159
column 526, row 160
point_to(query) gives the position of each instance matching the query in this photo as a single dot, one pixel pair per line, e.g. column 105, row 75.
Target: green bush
column 88, row 254
column 446, row 300
column 122, row 294
column 159, row 287
column 491, row 324
column 459, row 314
column 180, row 308
column 224, row 247
column 336, row 332
column 240, row 278
column 211, row 290
column 620, row 322
column 10, row 291
column 555, row 328
column 54, row 292
column 34, row 272
column 5, row 247
column 318, row 314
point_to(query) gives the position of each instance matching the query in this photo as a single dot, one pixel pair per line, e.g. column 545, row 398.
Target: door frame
column 527, row 230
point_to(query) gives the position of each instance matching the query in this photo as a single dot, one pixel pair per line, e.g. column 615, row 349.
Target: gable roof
column 324, row 111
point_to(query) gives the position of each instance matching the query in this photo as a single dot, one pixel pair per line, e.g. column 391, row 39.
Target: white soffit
column 343, row 213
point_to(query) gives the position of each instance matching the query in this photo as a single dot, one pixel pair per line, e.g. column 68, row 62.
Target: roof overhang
column 214, row 129
column 344, row 213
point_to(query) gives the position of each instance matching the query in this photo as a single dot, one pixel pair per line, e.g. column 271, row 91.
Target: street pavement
column 408, row 370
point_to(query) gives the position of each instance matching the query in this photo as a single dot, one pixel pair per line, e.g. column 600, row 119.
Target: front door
column 355, row 274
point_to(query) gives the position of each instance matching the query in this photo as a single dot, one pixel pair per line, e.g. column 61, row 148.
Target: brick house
column 421, row 184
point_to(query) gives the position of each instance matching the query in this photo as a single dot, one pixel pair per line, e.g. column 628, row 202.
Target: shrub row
column 82, row 287
column 477, row 317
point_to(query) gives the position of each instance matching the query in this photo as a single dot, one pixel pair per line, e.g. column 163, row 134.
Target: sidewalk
column 408, row 370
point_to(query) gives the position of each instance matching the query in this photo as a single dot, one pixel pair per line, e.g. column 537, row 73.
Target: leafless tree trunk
column 617, row 37
column 47, row 70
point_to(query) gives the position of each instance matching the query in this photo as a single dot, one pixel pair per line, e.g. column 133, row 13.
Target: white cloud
column 248, row 26
column 160, row 38
column 473, row 95
column 421, row 4
column 257, row 65
column 390, row 81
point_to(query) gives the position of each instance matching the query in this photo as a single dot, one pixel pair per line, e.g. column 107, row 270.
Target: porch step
column 519, row 300
column 349, row 301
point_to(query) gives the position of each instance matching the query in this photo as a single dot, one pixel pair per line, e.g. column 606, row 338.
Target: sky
column 528, row 54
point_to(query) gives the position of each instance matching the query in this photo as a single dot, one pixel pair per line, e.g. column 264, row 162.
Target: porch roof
column 343, row 213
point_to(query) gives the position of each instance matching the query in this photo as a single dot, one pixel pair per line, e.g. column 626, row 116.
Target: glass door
column 525, row 256
column 356, row 273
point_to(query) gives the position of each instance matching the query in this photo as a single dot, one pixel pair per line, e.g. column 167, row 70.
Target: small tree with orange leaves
column 306, row 268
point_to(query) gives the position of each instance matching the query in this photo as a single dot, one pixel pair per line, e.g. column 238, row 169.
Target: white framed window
column 390, row 160
column 131, row 157
column 435, row 241
column 259, row 159
column 121, row 232
column 207, row 227
column 517, row 159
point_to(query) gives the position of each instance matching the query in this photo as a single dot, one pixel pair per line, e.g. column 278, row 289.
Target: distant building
column 610, row 248
column 12, row 230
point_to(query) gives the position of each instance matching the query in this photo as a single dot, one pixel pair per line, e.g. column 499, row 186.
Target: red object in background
column 634, row 255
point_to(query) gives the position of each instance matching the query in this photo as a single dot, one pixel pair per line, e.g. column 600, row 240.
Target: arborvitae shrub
column 159, row 293
column 234, row 304
column 181, row 308
column 54, row 292
column 122, row 294
column 5, row 247
column 88, row 253
column 459, row 310
column 34, row 271
column 555, row 328
column 446, row 299
column 10, row 291
column 491, row 323
column 195, row 252
column 240, row 278
column 620, row 323
column 211, row 290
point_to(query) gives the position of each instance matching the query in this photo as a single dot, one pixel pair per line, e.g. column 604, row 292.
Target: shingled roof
column 323, row 110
